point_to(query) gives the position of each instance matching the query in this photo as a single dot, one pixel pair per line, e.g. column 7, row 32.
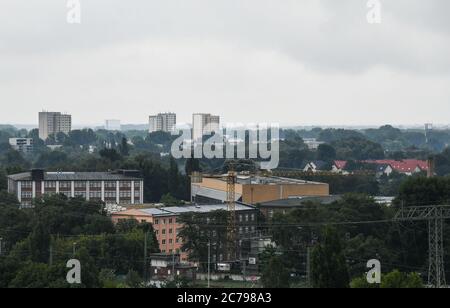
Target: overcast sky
column 295, row 62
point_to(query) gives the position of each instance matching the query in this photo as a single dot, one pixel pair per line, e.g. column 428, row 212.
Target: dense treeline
column 356, row 229
column 38, row 242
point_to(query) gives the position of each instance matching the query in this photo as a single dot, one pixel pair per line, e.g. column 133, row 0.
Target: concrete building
column 120, row 187
column 54, row 123
column 256, row 189
column 24, row 145
column 113, row 125
column 165, row 221
column 164, row 122
column 204, row 124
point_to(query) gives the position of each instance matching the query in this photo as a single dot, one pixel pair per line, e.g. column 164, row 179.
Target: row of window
column 82, row 185
column 92, row 194
column 168, row 231
column 164, row 221
column 170, row 241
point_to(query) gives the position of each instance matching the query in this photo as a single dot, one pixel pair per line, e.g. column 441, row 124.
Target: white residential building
column 164, row 122
column 204, row 124
column 24, row 145
column 53, row 123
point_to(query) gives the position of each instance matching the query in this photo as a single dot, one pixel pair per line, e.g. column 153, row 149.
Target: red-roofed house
column 406, row 166
column 339, row 166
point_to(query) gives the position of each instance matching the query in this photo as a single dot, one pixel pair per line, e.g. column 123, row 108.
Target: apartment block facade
column 164, row 122
column 122, row 187
column 24, row 145
column 204, row 124
column 53, row 123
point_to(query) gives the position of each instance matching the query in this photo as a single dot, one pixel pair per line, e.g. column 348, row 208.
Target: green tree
column 329, row 268
column 399, row 280
column 326, row 152
column 275, row 274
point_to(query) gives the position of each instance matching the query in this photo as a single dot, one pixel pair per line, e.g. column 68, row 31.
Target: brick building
column 166, row 224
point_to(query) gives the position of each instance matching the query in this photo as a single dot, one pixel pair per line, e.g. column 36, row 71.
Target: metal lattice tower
column 435, row 216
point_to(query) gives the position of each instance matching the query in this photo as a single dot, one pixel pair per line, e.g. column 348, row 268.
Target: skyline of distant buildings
column 113, row 125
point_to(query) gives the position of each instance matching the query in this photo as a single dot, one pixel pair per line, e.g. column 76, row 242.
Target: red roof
column 403, row 166
column 340, row 164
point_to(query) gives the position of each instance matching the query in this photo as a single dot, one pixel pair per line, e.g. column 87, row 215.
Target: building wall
column 204, row 124
column 255, row 193
column 111, row 192
column 167, row 228
column 165, row 122
column 53, row 123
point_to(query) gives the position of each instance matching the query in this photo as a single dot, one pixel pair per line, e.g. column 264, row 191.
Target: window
column 170, row 220
column 65, row 184
column 170, row 231
column 164, row 242
column 125, row 184
column 81, row 194
column 240, row 218
column 80, row 185
column 163, row 231
column 27, row 184
column 27, row 194
column 156, row 221
column 110, row 194
column 246, row 217
column 253, row 217
column 110, row 184
column 95, row 195
column 50, row 184
column 95, row 184
column 170, row 241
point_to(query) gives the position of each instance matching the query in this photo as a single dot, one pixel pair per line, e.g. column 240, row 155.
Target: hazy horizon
column 288, row 62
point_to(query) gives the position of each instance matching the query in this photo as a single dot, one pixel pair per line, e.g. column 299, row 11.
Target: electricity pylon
column 434, row 215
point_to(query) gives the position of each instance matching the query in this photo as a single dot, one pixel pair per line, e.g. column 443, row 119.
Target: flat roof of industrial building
column 75, row 176
column 267, row 180
column 178, row 210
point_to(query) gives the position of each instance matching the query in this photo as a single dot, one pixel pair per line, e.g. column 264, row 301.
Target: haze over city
column 295, row 62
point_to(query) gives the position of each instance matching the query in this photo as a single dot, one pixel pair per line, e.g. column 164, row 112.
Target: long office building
column 52, row 123
column 164, row 122
column 121, row 187
column 204, row 124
